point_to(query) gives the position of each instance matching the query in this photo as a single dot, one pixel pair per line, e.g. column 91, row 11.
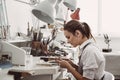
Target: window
column 111, row 17
column 103, row 16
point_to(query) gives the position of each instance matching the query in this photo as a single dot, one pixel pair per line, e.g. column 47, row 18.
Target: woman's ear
column 77, row 33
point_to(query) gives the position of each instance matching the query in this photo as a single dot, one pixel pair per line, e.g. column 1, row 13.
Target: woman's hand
column 63, row 63
column 69, row 61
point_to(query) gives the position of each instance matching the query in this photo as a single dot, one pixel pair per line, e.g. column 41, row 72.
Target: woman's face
column 74, row 40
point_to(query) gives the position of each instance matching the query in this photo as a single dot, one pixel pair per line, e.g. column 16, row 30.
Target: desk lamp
column 45, row 11
column 71, row 4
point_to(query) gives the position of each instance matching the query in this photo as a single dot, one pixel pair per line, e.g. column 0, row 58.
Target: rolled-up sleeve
column 89, row 65
column 89, row 73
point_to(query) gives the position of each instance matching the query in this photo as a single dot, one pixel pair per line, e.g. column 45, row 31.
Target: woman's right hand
column 69, row 61
column 63, row 63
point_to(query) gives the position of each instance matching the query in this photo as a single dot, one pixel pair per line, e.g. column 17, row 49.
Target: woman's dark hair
column 83, row 27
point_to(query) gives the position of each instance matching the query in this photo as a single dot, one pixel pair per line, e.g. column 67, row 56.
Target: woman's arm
column 73, row 64
column 71, row 69
column 75, row 73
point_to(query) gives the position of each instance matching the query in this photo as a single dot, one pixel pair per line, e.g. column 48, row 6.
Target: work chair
column 108, row 76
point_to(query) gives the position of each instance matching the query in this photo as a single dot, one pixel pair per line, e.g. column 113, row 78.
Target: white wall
column 19, row 15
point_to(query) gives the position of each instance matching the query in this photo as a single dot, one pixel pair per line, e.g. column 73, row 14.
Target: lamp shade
column 71, row 4
column 45, row 11
column 75, row 15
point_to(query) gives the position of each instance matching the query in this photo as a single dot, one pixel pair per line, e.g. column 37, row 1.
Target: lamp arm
column 33, row 2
